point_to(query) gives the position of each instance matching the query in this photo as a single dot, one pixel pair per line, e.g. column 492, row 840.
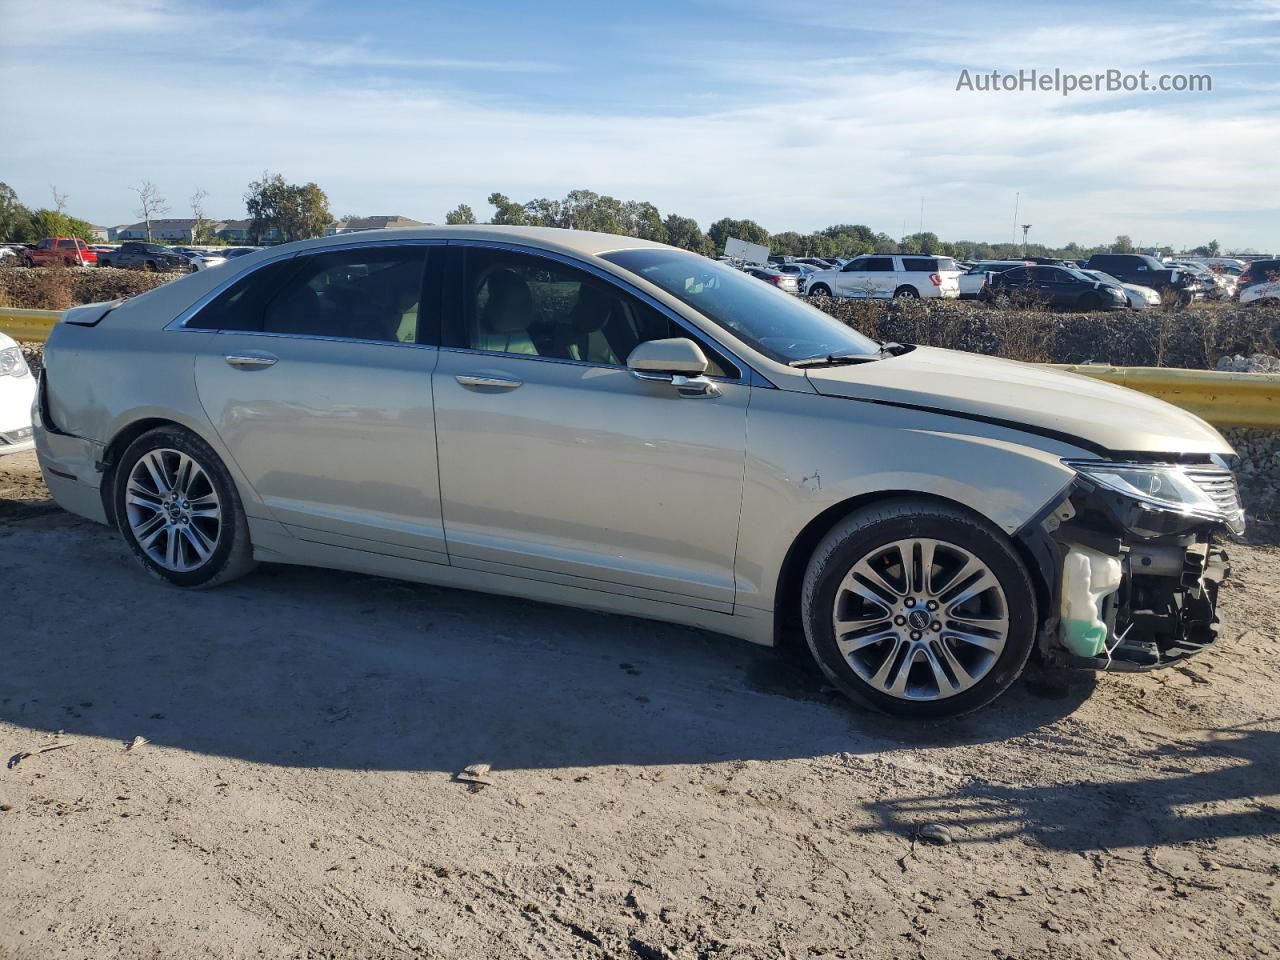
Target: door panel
column 336, row 436
column 582, row 471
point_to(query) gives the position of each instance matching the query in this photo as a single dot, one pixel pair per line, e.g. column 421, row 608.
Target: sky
column 794, row 115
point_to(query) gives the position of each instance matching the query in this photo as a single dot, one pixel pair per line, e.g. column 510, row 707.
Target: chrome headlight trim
column 1168, row 487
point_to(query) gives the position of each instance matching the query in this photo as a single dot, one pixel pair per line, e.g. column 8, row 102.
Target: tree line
column 587, row 210
column 279, row 211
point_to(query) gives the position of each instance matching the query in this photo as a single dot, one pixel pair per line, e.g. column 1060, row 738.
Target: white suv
column 883, row 275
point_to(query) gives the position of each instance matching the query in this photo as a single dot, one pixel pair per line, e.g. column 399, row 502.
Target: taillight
column 774, row 280
column 935, row 279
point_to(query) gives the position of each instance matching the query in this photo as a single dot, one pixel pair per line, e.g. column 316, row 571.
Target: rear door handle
column 249, row 361
column 500, row 383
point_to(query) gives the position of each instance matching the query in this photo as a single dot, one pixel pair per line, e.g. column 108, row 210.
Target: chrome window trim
column 748, row 374
column 182, row 320
column 314, row 336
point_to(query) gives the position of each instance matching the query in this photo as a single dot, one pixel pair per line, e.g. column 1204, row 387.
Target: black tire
column 819, row 290
column 149, row 267
column 879, row 525
column 28, row 262
column 906, row 293
column 232, row 554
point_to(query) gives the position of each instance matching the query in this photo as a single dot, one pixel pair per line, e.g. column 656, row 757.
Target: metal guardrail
column 1223, row 399
column 28, row 324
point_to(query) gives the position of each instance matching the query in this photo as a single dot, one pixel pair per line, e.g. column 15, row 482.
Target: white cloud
column 843, row 139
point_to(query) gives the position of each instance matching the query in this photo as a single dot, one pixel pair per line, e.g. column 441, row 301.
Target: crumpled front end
column 1134, row 577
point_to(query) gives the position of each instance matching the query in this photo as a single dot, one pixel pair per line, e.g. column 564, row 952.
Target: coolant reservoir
column 1087, row 577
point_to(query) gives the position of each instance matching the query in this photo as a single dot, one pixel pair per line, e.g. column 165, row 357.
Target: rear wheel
column 906, row 293
column 918, row 609
column 178, row 510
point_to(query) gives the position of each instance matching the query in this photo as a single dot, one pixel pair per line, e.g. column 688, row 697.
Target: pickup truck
column 67, row 251
column 1172, row 283
column 136, row 255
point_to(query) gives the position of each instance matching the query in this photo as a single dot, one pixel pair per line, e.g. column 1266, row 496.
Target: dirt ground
column 657, row 792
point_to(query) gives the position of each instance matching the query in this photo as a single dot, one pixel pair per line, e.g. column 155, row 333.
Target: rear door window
column 872, row 265
column 370, row 293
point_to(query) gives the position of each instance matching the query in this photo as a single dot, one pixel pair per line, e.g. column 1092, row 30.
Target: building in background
column 357, row 224
column 174, row 231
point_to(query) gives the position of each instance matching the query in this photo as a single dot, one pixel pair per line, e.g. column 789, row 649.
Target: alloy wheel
column 173, row 510
column 921, row 619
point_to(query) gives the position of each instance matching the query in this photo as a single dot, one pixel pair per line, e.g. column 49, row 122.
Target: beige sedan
column 616, row 424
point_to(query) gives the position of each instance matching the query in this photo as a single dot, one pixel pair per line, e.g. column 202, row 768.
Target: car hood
column 1024, row 396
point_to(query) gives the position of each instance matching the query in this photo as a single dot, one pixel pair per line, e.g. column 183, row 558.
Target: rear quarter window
column 919, row 264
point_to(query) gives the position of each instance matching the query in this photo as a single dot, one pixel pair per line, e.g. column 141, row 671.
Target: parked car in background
column 1058, row 287
column 1140, row 298
column 1171, row 283
column 137, row 255
column 1231, row 266
column 975, row 277
column 821, row 263
column 882, row 276
column 1266, row 291
column 783, row 281
column 800, row 270
column 202, row 259
column 1259, row 271
column 569, row 423
column 1217, row 286
column 67, row 251
column 17, row 392
column 234, row 252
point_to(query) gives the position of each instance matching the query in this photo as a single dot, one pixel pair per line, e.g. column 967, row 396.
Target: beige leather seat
column 503, row 324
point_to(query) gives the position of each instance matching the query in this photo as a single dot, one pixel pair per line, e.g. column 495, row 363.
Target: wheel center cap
column 919, row 619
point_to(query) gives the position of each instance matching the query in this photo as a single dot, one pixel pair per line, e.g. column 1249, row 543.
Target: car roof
column 572, row 242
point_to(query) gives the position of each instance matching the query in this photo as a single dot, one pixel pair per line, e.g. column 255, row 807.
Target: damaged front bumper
column 1132, row 586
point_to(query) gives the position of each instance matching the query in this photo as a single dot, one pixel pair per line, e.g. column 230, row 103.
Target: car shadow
column 1171, row 804
column 303, row 667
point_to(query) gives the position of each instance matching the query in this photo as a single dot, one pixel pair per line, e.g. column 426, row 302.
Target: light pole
column 1025, row 228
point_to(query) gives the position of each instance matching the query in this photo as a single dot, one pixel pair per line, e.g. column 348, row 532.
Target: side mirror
column 676, row 360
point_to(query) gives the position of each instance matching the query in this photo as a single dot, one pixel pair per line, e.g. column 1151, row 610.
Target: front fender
column 808, row 454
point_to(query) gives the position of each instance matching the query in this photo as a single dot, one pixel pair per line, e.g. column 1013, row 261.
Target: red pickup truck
column 68, row 251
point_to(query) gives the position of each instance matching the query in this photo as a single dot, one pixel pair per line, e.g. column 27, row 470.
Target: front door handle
column 249, row 361
column 500, row 383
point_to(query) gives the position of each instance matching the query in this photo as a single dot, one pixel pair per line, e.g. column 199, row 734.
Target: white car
column 1268, row 290
column 202, row 259
column 1139, row 297
column 882, row 276
column 17, row 393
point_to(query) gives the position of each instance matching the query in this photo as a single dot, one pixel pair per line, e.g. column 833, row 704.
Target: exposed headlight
column 12, row 363
column 1158, row 485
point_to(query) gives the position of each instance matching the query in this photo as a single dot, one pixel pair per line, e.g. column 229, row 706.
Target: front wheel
column 1090, row 301
column 178, row 510
column 149, row 267
column 919, row 609
column 819, row 290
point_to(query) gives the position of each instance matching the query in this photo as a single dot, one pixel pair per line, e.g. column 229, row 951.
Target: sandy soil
column 657, row 792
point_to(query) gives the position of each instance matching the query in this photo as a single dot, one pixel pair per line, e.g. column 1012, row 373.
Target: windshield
column 1104, row 277
column 776, row 324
